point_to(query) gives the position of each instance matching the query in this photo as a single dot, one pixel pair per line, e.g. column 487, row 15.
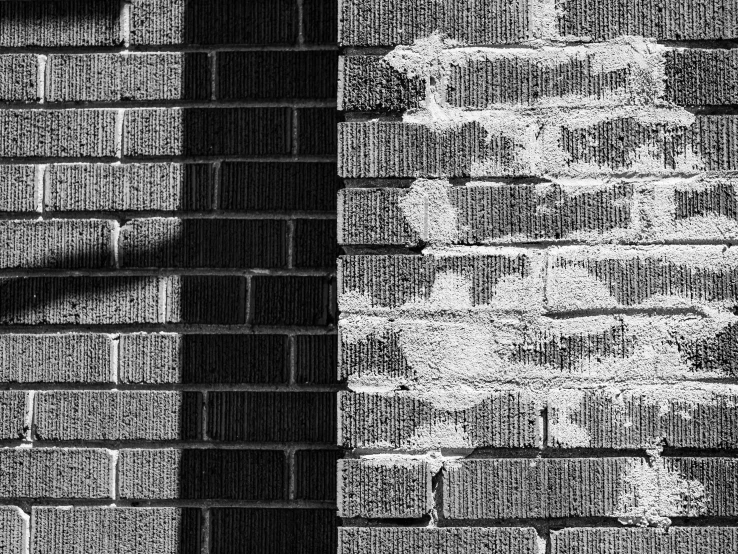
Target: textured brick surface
column 55, row 473
column 720, row 540
column 374, row 216
column 17, row 188
column 115, row 530
column 116, row 77
column 291, row 300
column 446, row 540
column 396, row 488
column 114, row 416
column 315, row 474
column 202, row 474
column 504, row 420
column 13, row 407
column 129, row 187
column 159, row 358
column 14, row 529
column 21, row 83
column 316, row 359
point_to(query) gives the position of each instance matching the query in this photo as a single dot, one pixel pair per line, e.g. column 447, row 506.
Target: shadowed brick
column 119, row 415
column 202, row 474
column 116, row 77
column 129, row 187
column 316, row 131
column 315, row 474
column 272, row 530
column 701, row 540
column 160, row 132
column 56, row 244
column 396, row 488
column 503, row 420
column 62, row 358
column 320, row 22
column 57, row 133
column 316, row 359
column 314, row 243
column 170, row 358
column 272, row 416
column 108, row 530
column 279, row 186
column 291, row 300
column 59, row 23
column 55, row 473
column 444, row 540
column 206, row 243
column 206, row 299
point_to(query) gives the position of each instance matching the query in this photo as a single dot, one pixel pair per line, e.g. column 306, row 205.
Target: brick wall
column 167, row 252
column 538, row 293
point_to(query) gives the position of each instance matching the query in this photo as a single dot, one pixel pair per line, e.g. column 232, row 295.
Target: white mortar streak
column 118, row 140
column 41, row 79
column 40, row 192
column 125, row 23
column 29, row 415
column 26, row 530
column 114, row 359
column 113, row 473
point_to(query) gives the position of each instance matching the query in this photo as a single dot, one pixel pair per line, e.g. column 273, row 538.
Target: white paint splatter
column 428, row 210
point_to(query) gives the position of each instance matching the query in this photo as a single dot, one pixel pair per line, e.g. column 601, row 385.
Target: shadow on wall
column 215, row 299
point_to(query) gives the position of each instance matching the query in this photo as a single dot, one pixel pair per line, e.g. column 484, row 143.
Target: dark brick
column 320, row 21
column 272, row 530
column 291, row 300
column 316, row 359
column 702, row 77
column 314, row 243
column 316, row 131
column 215, row 299
column 315, row 474
column 269, row 186
column 271, row 75
column 272, row 416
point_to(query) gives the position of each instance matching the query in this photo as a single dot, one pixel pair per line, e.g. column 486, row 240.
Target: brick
column 316, row 131
column 155, row 22
column 202, row 474
column 55, row 244
column 279, row 186
column 59, row 23
column 292, row 416
column 117, row 415
column 159, row 132
column 61, row 358
column 480, row 213
column 116, row 77
column 160, row 358
column 314, row 243
column 129, row 187
column 581, row 278
column 618, row 487
column 468, row 354
column 80, row 300
column 82, row 473
column 425, row 283
column 269, row 75
column 379, row 23
column 702, row 77
column 316, row 359
column 206, row 299
column 107, row 530
column 367, row 83
column 18, row 188
column 665, row 20
column 14, row 525
column 21, row 77
column 644, row 417
column 320, row 22
column 291, row 300
column 442, row 540
column 57, row 133
column 272, row 530
column 717, row 540
column 203, row 243
column 315, row 474
column 383, row 488
column 374, row 216
column 400, row 420
column 13, row 415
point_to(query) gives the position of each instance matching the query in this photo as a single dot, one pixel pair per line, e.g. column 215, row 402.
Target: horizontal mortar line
column 50, row 215
column 541, row 244
column 560, row 523
column 146, row 104
column 184, row 328
column 166, row 272
column 398, row 116
column 165, row 49
column 162, row 159
column 623, row 310
column 164, row 503
column 163, row 444
column 170, row 387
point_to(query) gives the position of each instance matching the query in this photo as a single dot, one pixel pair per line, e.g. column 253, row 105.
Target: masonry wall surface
column 167, row 276
column 539, row 283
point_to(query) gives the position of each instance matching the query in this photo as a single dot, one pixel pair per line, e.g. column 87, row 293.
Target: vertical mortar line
column 125, row 23
column 40, row 189
column 118, row 139
column 162, row 307
column 295, row 126
column 290, row 243
column 205, row 527
column 114, row 474
column 41, row 79
column 204, row 416
column 300, row 23
column 115, row 358
column 213, row 58
column 29, row 415
column 246, row 292
column 292, row 378
column 216, row 184
column 291, row 487
column 114, row 242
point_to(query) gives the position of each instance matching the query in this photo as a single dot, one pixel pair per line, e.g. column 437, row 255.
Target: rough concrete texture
column 109, row 530
column 677, row 540
column 73, row 473
column 13, row 530
column 447, row 540
column 384, row 487
column 116, row 415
